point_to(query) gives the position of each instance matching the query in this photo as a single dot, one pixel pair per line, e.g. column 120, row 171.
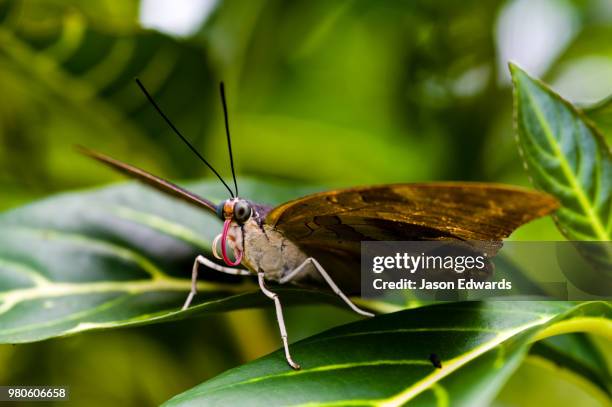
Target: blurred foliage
column 67, row 79
column 336, row 93
column 546, row 385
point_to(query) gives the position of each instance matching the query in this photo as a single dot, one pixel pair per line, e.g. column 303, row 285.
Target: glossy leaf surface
column 565, row 156
column 385, row 361
column 114, row 257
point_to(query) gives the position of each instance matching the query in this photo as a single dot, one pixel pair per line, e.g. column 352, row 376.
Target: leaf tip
column 513, row 67
column 515, row 71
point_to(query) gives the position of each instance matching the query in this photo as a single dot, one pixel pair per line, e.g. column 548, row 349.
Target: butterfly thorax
column 265, row 249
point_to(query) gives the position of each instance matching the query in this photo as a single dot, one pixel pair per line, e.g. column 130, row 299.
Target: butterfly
column 315, row 240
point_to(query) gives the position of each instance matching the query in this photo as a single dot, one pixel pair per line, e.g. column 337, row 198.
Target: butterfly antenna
column 227, row 132
column 178, row 133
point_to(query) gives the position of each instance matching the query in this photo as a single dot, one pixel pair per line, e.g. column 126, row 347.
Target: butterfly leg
column 329, row 281
column 208, row 263
column 280, row 319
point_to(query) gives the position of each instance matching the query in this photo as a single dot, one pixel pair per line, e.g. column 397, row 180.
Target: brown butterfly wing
column 160, row 184
column 330, row 225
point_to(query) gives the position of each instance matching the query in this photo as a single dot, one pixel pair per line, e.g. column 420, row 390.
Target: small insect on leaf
column 435, row 361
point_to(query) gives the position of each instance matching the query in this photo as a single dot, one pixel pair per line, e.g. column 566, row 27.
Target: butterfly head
column 234, row 213
column 237, row 209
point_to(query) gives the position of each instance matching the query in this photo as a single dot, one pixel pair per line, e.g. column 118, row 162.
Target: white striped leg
column 208, row 263
column 279, row 318
column 329, row 281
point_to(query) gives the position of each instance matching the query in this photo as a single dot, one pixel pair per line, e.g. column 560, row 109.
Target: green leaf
column 541, row 382
column 576, row 353
column 114, row 257
column 384, row 361
column 601, row 114
column 565, row 156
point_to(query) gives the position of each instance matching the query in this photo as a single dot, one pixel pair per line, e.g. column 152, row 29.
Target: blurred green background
column 333, row 93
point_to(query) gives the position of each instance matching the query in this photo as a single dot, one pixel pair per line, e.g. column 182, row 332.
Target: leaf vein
column 571, row 177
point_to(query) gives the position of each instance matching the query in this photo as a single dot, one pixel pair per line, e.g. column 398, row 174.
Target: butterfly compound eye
column 219, row 211
column 242, row 211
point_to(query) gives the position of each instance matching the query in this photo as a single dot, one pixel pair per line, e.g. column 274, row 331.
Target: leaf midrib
column 53, row 290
